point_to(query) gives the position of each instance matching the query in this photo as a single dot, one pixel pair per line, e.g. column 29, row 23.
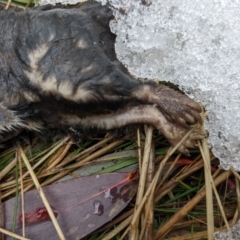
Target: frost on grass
column 194, row 44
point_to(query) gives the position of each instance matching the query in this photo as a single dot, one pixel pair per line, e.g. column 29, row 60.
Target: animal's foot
column 176, row 107
column 190, row 142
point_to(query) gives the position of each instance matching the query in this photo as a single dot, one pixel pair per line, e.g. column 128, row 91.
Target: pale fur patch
column 82, row 44
column 30, row 125
column 84, row 95
column 13, row 122
column 30, row 96
column 36, row 55
column 87, row 69
column 66, row 89
column 50, row 84
column 143, row 93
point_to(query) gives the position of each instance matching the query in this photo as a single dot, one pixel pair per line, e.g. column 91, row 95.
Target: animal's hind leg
column 117, row 86
column 143, row 114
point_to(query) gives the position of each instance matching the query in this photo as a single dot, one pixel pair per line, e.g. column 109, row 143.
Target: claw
column 197, row 134
column 190, row 143
column 182, row 149
column 183, row 123
column 197, row 117
column 189, row 118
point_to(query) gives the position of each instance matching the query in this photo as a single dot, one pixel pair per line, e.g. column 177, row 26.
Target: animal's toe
column 185, row 116
column 196, row 116
column 190, row 118
column 194, row 105
column 183, row 122
column 197, row 134
column 182, row 149
column 176, row 133
column 190, row 142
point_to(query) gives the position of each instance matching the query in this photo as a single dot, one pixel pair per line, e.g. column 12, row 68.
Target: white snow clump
column 194, row 44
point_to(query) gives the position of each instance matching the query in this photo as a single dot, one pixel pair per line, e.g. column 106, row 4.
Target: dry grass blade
column 22, row 191
column 119, row 228
column 156, row 177
column 185, row 209
column 238, row 194
column 142, row 181
column 139, row 151
column 83, row 162
column 41, row 161
column 1, row 217
column 235, row 174
column 148, row 214
column 42, row 195
column 208, row 186
column 98, row 153
column 8, row 4
column 169, row 170
column 86, row 152
column 14, row 235
column 28, row 4
column 6, row 170
column 211, row 183
column 162, row 190
column 61, row 154
column 117, row 220
column 235, row 218
column 196, row 236
column 237, row 212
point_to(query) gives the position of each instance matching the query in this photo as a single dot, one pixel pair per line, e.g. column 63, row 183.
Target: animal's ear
column 8, row 119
